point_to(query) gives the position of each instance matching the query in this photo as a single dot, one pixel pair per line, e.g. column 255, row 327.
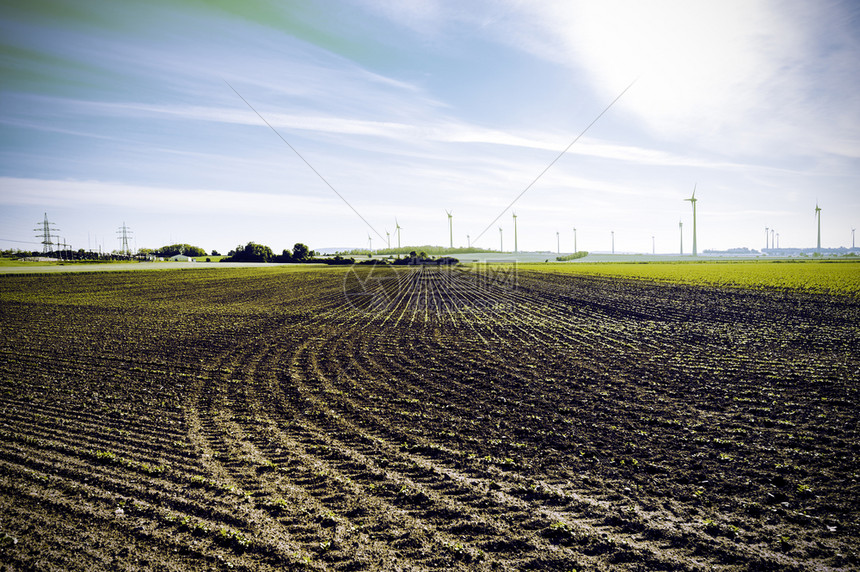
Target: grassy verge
column 4, row 262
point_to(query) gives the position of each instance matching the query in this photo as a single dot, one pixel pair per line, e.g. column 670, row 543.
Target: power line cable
column 370, row 226
column 541, row 174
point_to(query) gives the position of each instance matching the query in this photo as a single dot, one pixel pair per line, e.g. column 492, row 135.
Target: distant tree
column 284, row 256
column 301, row 253
column 174, row 249
column 251, row 252
column 215, row 253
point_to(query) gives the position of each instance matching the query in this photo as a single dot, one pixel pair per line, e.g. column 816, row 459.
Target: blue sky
column 121, row 112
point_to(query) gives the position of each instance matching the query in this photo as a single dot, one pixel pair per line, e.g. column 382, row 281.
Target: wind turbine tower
column 557, row 243
column 450, row 230
column 766, row 230
column 693, row 200
column 653, row 246
column 852, row 237
column 818, row 216
column 397, row 230
column 574, row 240
column 515, row 233
column 388, row 239
column 681, row 231
column 501, row 241
column 612, row 232
column 370, row 243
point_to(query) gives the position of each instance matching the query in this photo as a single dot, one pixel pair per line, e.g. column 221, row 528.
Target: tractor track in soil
column 423, row 418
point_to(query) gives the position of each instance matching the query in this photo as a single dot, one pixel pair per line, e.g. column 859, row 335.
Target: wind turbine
column 515, row 232
column 450, row 230
column 818, row 216
column 653, row 245
column 501, row 241
column 681, row 231
column 574, row 240
column 772, row 237
column 766, row 230
column 557, row 243
column 852, row 237
column 693, row 200
column 388, row 239
column 370, row 243
column 777, row 240
column 468, row 241
column 612, row 232
column 397, row 228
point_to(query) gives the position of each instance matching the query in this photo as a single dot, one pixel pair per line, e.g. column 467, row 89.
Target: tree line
column 253, row 252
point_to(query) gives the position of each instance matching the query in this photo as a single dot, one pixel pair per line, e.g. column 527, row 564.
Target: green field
column 841, row 277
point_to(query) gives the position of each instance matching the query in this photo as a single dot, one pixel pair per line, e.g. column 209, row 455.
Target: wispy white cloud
column 760, row 77
column 718, row 73
column 429, row 128
column 73, row 193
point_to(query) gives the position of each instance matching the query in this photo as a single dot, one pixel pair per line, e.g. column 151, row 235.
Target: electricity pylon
column 123, row 233
column 44, row 229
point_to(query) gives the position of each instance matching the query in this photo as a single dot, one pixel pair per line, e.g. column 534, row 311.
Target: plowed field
column 410, row 419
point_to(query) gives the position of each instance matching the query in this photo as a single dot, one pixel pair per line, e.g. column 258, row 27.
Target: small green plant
column 232, row 539
column 711, row 527
column 197, row 481
column 106, row 457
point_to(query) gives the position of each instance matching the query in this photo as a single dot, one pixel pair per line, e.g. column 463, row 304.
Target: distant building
column 181, row 258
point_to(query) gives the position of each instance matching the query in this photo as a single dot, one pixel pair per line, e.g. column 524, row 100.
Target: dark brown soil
column 341, row 419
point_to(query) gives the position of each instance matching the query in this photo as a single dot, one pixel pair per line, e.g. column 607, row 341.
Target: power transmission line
column 21, row 241
column 323, row 179
column 541, row 174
